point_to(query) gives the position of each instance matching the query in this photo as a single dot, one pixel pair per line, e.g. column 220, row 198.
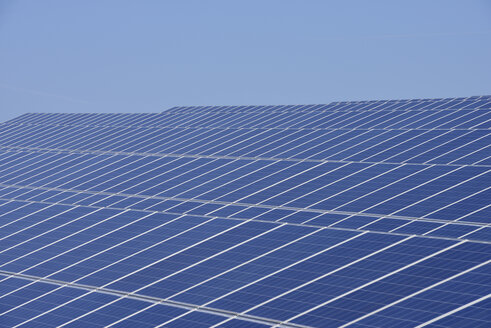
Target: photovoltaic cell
column 349, row 214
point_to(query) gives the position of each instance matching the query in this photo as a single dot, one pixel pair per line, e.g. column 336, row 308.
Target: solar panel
column 348, row 214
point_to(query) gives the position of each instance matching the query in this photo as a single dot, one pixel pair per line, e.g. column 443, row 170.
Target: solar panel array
column 359, row 214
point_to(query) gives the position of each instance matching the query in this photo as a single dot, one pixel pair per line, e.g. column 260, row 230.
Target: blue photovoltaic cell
column 472, row 316
column 364, row 214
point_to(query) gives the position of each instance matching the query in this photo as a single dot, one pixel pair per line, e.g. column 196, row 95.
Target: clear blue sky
column 149, row 55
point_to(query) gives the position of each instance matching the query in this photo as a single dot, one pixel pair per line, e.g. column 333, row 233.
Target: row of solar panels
column 303, row 275
column 51, row 310
column 290, row 114
column 477, row 102
column 421, row 119
column 437, row 192
column 12, row 198
column 89, row 228
column 461, row 147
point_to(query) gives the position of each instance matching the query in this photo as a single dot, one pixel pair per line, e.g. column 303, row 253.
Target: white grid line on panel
column 441, row 191
column 408, row 160
column 454, row 149
column 417, row 293
column 408, row 190
column 382, row 187
column 373, row 282
column 486, row 148
column 190, row 155
column 366, row 159
column 449, row 313
column 320, row 211
column 325, row 275
column 273, row 273
column 141, row 268
column 174, row 273
column 359, row 136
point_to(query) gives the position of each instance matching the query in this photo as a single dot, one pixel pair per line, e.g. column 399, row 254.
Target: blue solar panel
column 350, row 214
